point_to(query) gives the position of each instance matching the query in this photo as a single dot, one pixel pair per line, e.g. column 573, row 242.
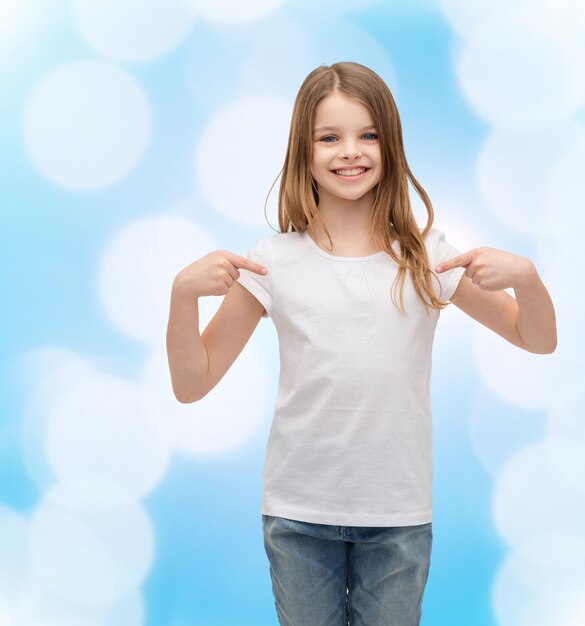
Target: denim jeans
column 324, row 575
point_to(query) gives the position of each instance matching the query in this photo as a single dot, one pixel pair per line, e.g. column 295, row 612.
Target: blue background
column 209, row 566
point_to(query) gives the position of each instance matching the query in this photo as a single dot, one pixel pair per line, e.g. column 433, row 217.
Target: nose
column 351, row 156
column 351, row 152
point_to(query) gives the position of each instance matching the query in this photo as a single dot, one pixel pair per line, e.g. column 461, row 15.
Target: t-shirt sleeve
column 259, row 285
column 439, row 251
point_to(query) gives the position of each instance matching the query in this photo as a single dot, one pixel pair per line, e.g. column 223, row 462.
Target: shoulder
column 284, row 244
column 433, row 239
column 436, row 239
column 278, row 248
column 438, row 247
column 433, row 235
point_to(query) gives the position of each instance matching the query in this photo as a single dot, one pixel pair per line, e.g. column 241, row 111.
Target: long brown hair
column 391, row 217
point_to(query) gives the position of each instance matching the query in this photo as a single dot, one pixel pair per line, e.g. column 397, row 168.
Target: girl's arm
column 186, row 352
column 529, row 320
column 198, row 362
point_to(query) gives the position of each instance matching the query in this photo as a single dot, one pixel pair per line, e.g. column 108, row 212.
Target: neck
column 346, row 220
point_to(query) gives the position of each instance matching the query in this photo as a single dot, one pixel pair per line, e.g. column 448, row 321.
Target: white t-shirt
column 351, row 437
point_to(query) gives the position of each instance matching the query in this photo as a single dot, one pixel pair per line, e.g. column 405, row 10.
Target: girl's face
column 344, row 139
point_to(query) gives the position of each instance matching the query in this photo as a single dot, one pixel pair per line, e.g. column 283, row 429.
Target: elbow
column 542, row 349
column 552, row 345
column 186, row 396
column 185, row 399
column 547, row 345
column 551, row 349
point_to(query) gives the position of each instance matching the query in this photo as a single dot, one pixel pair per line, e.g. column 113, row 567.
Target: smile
column 357, row 172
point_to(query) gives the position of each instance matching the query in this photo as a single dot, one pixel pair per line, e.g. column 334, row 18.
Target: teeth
column 353, row 172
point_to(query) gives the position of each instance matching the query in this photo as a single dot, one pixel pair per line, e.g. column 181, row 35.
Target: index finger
column 458, row 261
column 242, row 262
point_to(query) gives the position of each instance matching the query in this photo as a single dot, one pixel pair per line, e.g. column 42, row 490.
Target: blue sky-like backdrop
column 136, row 136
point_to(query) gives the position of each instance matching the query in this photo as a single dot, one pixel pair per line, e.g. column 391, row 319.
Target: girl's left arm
column 528, row 321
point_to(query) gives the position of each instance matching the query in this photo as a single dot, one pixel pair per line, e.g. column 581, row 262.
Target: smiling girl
column 346, row 504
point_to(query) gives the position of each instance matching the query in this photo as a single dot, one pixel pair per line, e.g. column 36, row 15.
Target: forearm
column 536, row 315
column 186, row 351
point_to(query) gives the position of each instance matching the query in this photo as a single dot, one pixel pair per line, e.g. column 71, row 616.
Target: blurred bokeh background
column 138, row 135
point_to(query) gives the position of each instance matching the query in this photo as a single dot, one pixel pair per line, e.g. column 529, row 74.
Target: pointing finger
column 241, row 262
column 458, row 261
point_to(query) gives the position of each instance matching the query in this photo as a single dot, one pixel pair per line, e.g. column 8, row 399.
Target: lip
column 356, row 177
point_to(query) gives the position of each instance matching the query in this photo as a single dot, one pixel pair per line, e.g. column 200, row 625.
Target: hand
column 491, row 269
column 213, row 274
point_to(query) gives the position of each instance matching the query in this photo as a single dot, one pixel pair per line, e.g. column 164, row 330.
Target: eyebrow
column 321, row 128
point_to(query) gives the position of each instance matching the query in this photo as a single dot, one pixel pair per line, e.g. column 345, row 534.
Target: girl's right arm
column 198, row 362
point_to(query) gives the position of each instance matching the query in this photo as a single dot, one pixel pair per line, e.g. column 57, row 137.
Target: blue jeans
column 324, row 575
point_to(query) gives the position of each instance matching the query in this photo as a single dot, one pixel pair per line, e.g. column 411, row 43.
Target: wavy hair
column 391, row 216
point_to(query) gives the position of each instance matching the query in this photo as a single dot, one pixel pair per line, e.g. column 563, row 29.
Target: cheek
column 316, row 166
column 321, row 170
column 320, row 158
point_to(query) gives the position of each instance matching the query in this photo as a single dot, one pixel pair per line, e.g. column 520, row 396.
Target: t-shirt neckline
column 333, row 257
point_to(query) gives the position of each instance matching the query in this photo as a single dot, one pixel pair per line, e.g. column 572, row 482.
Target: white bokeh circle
column 466, row 15
column 104, row 427
column 91, row 558
column 497, row 429
column 567, row 458
column 240, row 153
column 514, row 166
column 133, row 30
column 38, row 604
column 532, row 498
column 565, row 420
column 48, row 372
column 137, row 270
column 86, row 124
column 520, row 68
column 564, row 217
column 521, row 378
column 558, row 270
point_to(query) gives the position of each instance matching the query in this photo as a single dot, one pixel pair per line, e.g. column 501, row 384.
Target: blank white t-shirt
column 351, row 437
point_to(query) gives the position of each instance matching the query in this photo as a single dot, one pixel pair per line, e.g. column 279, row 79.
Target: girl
column 346, row 505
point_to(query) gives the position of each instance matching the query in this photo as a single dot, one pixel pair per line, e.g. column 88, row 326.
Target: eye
column 373, row 135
